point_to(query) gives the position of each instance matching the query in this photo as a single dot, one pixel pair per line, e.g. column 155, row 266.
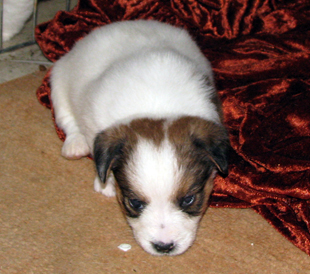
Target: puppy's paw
column 75, row 147
column 107, row 190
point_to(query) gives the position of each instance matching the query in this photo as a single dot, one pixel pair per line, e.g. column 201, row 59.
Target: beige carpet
column 51, row 220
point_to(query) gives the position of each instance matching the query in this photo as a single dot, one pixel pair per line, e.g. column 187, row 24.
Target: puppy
column 15, row 14
column 139, row 97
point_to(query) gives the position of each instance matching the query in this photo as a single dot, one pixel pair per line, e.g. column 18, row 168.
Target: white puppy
column 15, row 14
column 139, row 97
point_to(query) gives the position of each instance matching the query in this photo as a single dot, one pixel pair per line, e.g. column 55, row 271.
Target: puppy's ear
column 109, row 149
column 215, row 143
column 105, row 153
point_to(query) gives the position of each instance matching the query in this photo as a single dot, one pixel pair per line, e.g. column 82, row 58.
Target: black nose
column 163, row 247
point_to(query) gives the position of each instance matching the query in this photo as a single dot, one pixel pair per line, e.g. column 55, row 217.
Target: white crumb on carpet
column 124, row 247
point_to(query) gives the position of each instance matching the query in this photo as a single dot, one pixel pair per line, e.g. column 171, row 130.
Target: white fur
column 15, row 14
column 130, row 70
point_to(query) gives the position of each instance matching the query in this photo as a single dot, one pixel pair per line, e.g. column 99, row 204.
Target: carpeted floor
column 51, row 220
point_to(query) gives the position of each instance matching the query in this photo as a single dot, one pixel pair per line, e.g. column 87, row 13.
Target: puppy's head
column 164, row 174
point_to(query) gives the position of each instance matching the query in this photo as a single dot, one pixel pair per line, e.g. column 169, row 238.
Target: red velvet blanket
column 259, row 50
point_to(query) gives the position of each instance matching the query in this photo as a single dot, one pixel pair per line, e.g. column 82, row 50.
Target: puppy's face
column 164, row 174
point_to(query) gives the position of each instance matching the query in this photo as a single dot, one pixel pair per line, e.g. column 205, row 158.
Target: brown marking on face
column 189, row 126
column 124, row 195
column 197, row 180
column 116, row 144
column 197, row 143
column 210, row 140
column 153, row 131
column 128, row 138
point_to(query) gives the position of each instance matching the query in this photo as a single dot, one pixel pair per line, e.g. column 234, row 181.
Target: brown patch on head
column 199, row 137
column 150, row 129
column 201, row 148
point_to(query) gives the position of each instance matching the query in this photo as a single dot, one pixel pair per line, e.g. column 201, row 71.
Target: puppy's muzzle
column 164, row 248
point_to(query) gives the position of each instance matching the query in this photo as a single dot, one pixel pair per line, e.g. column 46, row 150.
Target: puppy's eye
column 136, row 204
column 187, row 201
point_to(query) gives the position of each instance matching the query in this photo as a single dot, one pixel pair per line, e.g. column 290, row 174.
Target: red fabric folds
column 259, row 50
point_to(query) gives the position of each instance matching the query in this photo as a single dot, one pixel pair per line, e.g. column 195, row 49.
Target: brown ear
column 104, row 154
column 213, row 140
column 217, row 152
column 210, row 139
column 109, row 149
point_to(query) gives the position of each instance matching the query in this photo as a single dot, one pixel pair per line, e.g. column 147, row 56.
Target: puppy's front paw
column 75, row 147
column 107, row 190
